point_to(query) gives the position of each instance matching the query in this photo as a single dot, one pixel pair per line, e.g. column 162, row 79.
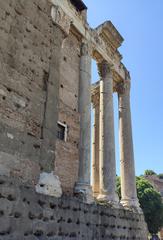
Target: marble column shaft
column 95, row 147
column 128, row 181
column 107, row 141
column 85, row 120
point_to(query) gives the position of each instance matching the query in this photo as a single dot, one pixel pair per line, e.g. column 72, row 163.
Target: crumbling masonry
column 46, row 192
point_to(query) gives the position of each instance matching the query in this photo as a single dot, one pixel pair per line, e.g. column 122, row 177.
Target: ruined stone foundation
column 26, row 215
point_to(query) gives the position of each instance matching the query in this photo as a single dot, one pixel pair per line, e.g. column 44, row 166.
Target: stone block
column 49, row 184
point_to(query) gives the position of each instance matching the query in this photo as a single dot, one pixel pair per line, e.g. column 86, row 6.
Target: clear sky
column 140, row 22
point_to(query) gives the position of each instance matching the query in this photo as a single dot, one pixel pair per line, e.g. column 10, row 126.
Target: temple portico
column 100, row 44
column 51, row 186
column 104, row 166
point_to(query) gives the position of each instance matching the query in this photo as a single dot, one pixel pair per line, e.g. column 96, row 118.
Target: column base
column 95, row 194
column 84, row 192
column 112, row 200
column 131, row 204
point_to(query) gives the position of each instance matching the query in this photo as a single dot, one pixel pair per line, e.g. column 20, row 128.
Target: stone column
column 107, row 141
column 83, row 184
column 49, row 183
column 128, row 181
column 95, row 144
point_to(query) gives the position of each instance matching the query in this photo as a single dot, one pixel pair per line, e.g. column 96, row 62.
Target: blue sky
column 140, row 22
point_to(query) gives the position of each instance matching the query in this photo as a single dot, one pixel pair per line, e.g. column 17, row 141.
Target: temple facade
column 46, row 93
column 100, row 44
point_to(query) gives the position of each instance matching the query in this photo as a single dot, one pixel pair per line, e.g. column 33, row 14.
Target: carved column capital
column 61, row 19
column 96, row 100
column 123, row 87
column 104, row 68
column 86, row 49
column 95, row 94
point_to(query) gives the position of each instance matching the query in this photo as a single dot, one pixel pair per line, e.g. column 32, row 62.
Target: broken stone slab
column 49, row 184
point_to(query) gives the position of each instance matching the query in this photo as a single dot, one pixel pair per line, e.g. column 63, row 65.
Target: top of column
column 95, row 94
column 86, row 49
column 104, row 68
column 105, row 39
column 123, row 87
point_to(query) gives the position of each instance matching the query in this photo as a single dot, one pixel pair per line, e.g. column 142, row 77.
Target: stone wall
column 27, row 215
column 27, row 39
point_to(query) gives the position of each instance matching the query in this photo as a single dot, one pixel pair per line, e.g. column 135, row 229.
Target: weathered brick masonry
column 27, row 37
column 67, row 158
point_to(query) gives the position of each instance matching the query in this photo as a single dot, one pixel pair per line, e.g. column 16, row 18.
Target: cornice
column 111, row 37
column 104, row 40
column 61, row 19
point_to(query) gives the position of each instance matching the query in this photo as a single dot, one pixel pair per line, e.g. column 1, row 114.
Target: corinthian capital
column 123, row 87
column 61, row 19
column 104, row 68
column 86, row 49
column 95, row 100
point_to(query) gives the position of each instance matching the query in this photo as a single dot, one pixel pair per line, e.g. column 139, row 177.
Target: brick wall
column 67, row 158
column 27, row 38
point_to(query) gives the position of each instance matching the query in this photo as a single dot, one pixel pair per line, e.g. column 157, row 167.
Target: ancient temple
column 46, row 192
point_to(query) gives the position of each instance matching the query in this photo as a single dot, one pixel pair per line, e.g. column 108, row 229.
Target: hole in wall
column 65, row 59
column 38, row 233
column 1, row 213
column 69, row 220
column 41, row 203
column 9, row 89
column 11, row 198
column 36, row 146
column 17, row 215
column 52, row 206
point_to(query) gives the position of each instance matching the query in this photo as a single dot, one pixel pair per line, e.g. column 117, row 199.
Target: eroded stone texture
column 31, row 93
column 24, row 214
column 49, row 184
column 27, row 35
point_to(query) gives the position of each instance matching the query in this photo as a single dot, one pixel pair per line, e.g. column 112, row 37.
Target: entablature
column 105, row 39
column 110, row 35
